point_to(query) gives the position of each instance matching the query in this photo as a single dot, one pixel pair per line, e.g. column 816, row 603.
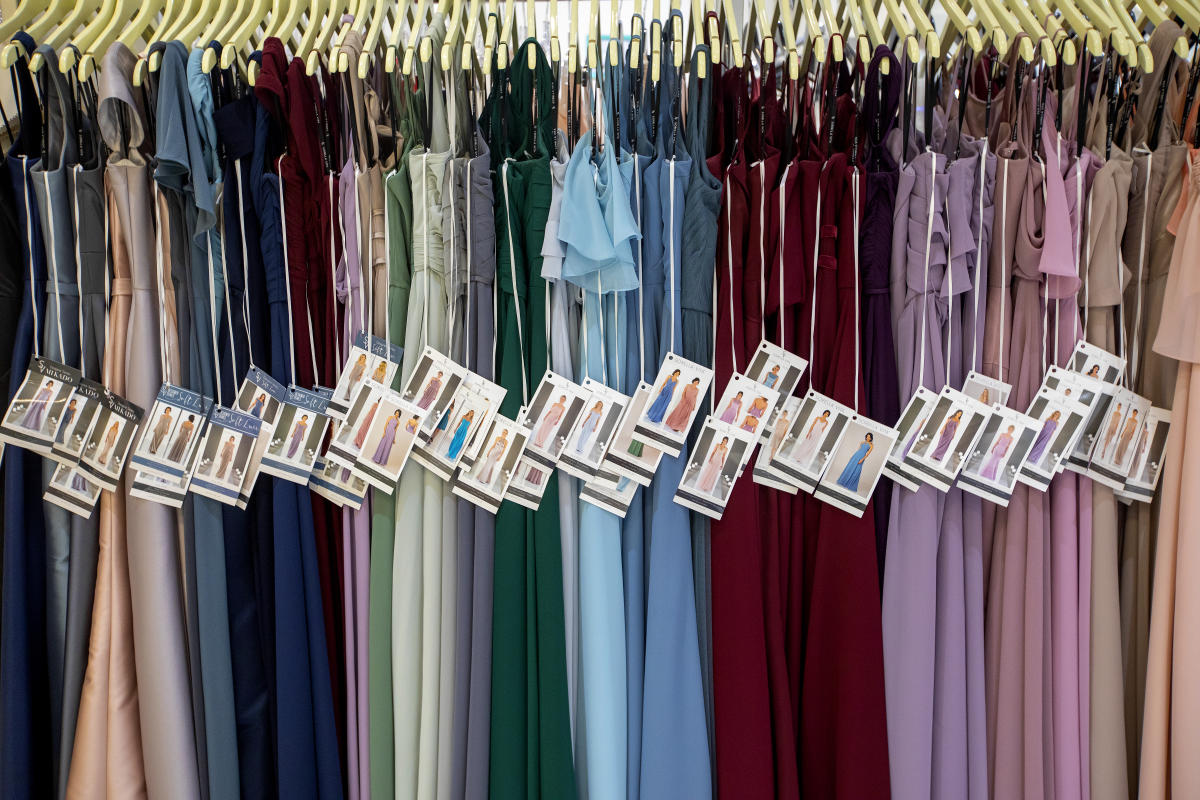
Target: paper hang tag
column 298, row 433
column 33, row 416
column 763, row 473
column 225, row 454
column 986, row 390
column 485, row 479
column 991, row 469
column 340, row 485
column 81, row 409
column 718, row 459
column 261, row 396
column 610, row 492
column 160, row 490
column 389, row 440
column 371, row 359
column 912, row 422
column 674, row 403
column 1060, row 422
column 432, row 385
column 71, row 489
column 1096, row 362
column 945, row 440
column 804, row 453
column 530, row 478
column 107, row 446
column 1115, row 448
column 746, row 404
column 348, row 436
column 551, row 415
column 778, row 370
column 1098, row 399
column 171, row 437
column 590, row 436
column 1146, row 462
column 628, row 456
column 469, row 411
column 856, row 465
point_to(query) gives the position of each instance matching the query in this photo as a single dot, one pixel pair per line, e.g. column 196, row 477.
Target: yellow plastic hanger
column 1084, row 29
column 933, row 45
column 904, row 31
column 410, row 46
column 21, row 19
column 468, row 45
column 1145, row 59
column 61, row 34
column 170, row 12
column 238, row 36
column 491, row 32
column 503, row 44
column 958, row 21
column 531, row 31
column 1010, row 26
column 98, row 35
column 372, row 37
column 831, row 20
column 870, row 16
column 812, row 29
column 44, row 26
column 1055, row 31
column 1188, row 11
column 321, row 25
column 853, row 14
column 211, row 38
column 452, row 30
column 735, row 36
column 1157, row 17
column 655, row 41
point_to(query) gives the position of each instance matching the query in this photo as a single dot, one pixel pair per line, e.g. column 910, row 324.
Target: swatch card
column 82, row 407
column 942, row 445
column 1060, row 422
column 297, row 437
column 471, row 409
column 107, row 446
column 389, row 440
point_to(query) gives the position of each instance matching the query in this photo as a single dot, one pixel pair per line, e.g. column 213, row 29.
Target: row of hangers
column 315, row 30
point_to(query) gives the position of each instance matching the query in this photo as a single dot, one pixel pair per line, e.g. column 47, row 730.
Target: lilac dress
column 996, row 456
column 384, row 450
column 35, row 415
column 297, row 437
column 948, row 431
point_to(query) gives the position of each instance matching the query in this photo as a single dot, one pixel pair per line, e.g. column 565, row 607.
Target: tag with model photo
column 714, row 465
column 778, row 370
column 1099, row 400
column 82, row 407
column 484, row 480
column 628, row 455
column 944, row 442
column 1146, row 463
column 589, row 438
column 856, row 465
column 471, row 409
column 37, row 408
column 528, row 484
column 70, row 489
column 988, row 391
column 350, row 434
column 108, row 443
column 371, row 359
column 260, row 396
column 172, row 433
column 432, row 385
column 908, row 429
column 673, row 405
column 804, row 453
column 297, row 436
column 389, row 440
column 763, row 472
column 746, row 404
column 1114, row 452
column 1096, row 362
column 610, row 492
column 553, row 409
column 225, row 454
column 1060, row 422
column 337, row 483
column 991, row 468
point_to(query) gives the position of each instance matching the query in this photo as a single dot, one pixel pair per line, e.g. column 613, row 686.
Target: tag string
column 53, row 255
column 812, row 322
column 233, row 365
column 855, row 185
column 288, row 282
column 78, row 170
column 237, row 177
column 1133, row 357
column 762, row 247
column 672, row 299
column 1003, row 263
column 214, row 318
column 467, row 337
column 925, row 289
column 729, row 268
column 334, row 222
column 164, row 345
column 512, row 266
column 979, row 279
column 637, row 192
column 1045, row 285
column 782, row 247
column 425, row 244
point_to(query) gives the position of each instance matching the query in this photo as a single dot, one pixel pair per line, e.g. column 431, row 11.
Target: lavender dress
column 384, row 450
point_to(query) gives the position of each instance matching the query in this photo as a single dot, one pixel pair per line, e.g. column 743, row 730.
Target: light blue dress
column 852, row 472
column 460, row 438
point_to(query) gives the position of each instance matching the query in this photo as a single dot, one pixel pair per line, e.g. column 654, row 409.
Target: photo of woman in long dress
column 1113, row 423
column 658, row 409
column 913, row 438
column 110, row 439
column 806, row 448
column 431, row 391
column 487, row 468
column 442, row 425
column 182, row 437
column 361, row 436
column 730, row 414
column 161, row 428
column 589, row 426
column 712, row 466
column 550, row 418
column 35, row 414
column 387, row 439
column 226, row 456
column 1043, row 438
column 949, row 427
column 298, row 433
column 356, row 374
column 852, row 472
column 257, row 407
column 679, row 417
column 460, row 435
column 1126, row 436
column 68, row 415
column 780, row 432
column 997, row 453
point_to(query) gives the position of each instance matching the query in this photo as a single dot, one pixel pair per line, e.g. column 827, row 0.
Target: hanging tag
column 70, row 489
column 297, row 435
column 991, row 469
column 260, row 396
column 349, row 435
column 857, row 462
column 912, row 422
column 370, row 358
column 81, row 410
column 629, row 456
column 389, row 440
column 471, row 409
column 777, row 369
column 484, row 480
column 812, row 437
column 159, row 490
column 1115, row 451
column 988, row 391
column 225, row 454
column 171, row 438
column 1099, row 401
column 553, row 410
column 528, row 484
column 1096, row 362
column 609, row 492
column 432, row 385
column 955, row 422
column 1060, row 422
column 674, row 403
column 340, row 485
column 1146, row 465
column 593, row 431
column 745, row 404
column 37, row 408
column 107, row 445
column 716, row 462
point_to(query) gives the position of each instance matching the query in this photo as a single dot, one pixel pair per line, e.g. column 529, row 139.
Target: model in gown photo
column 298, row 433
column 257, row 407
column 160, row 430
column 852, row 472
column 226, row 456
column 1126, row 436
column 678, row 419
column 1114, row 422
column 356, row 374
column 804, row 450
column 949, row 428
column 68, row 415
column 487, row 469
column 658, row 409
column 771, row 378
column 997, row 453
column 383, row 450
column 182, row 437
column 589, row 426
column 1043, row 438
column 712, row 466
column 550, row 417
column 431, row 391
column 35, row 414
column 460, row 435
column 732, row 410
column 365, row 426
column 110, row 438
column 780, row 432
